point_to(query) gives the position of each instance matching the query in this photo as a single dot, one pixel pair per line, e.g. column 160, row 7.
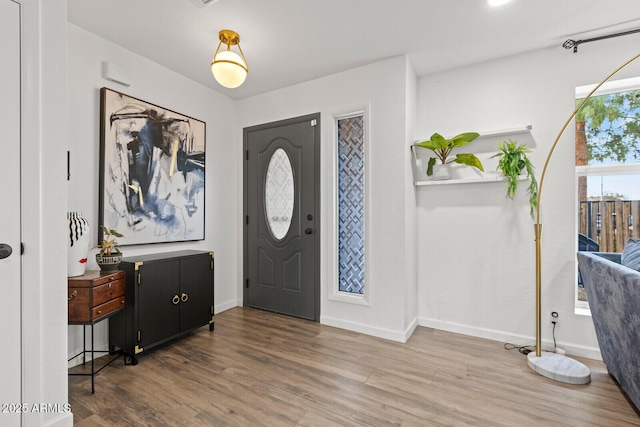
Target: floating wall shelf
column 506, row 132
column 491, row 176
column 484, row 147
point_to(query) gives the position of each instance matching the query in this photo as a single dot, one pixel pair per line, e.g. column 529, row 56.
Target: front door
column 281, row 195
column 10, row 263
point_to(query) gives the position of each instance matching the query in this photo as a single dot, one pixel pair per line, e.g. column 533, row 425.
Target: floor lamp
column 552, row 365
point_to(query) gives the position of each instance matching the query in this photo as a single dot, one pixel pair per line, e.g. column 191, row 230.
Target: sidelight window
column 351, row 205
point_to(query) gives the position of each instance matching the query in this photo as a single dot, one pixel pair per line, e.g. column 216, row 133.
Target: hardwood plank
column 314, row 420
column 93, row 421
column 262, row 369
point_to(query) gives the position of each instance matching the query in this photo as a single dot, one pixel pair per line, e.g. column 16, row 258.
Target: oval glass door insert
column 279, row 194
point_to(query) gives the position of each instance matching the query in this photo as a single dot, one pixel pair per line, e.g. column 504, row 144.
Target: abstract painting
column 152, row 171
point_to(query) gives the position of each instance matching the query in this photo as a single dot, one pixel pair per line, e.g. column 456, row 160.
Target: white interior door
column 10, row 263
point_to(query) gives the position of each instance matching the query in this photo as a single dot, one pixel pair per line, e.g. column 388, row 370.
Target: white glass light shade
column 229, row 69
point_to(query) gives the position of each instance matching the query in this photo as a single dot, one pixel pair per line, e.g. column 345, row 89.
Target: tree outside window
column 608, row 169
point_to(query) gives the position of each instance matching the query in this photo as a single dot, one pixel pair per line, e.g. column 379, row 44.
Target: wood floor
column 262, row 369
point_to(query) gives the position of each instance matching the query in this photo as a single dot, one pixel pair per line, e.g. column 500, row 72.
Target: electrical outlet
column 554, row 317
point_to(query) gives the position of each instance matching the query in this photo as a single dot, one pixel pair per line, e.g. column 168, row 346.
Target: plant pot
column 108, row 263
column 441, row 172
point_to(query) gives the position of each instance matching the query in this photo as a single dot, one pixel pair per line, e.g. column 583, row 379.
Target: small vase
column 441, row 172
column 78, row 244
column 108, row 263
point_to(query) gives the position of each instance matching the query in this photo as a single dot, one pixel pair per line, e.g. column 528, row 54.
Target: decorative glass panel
column 279, row 194
column 351, row 205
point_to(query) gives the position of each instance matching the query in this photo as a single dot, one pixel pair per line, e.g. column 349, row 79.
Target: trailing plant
column 513, row 161
column 442, row 148
column 109, row 245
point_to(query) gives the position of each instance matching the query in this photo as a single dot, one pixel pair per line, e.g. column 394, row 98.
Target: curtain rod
column 574, row 43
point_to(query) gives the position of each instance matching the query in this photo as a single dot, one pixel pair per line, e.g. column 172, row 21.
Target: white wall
column 160, row 86
column 410, row 234
column 381, row 90
column 44, row 314
column 476, row 273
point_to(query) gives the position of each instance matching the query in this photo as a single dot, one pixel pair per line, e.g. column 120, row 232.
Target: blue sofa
column 613, row 291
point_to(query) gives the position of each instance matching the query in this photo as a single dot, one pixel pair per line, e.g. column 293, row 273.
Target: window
column 608, row 168
column 351, row 204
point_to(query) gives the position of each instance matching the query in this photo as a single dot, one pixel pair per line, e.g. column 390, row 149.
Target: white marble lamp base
column 560, row 368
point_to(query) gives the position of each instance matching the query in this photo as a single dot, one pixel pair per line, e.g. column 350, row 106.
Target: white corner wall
column 476, row 249
column 410, row 234
column 380, row 89
column 44, row 314
column 158, row 85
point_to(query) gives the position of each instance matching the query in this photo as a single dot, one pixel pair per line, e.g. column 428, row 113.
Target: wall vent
column 203, row 3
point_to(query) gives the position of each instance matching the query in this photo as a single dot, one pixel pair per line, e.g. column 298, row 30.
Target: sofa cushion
column 631, row 254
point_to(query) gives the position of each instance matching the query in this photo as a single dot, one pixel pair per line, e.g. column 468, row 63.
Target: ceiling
column 292, row 41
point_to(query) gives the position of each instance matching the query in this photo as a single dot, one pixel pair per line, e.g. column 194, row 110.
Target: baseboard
column 388, row 334
column 501, row 336
column 63, row 420
column 227, row 306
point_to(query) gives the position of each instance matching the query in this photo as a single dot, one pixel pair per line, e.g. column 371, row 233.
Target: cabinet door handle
column 175, row 300
column 185, row 297
column 73, row 295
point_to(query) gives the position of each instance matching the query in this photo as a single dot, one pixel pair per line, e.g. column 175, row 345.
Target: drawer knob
column 175, row 300
column 99, row 311
column 122, row 302
column 185, row 297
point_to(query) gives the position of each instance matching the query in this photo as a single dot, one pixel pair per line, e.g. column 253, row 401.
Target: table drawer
column 94, row 295
column 107, row 292
column 79, row 308
column 108, row 307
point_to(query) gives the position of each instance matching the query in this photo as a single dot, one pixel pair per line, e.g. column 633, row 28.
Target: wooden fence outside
column 610, row 222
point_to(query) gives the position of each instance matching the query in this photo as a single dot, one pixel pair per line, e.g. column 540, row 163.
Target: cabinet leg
column 211, row 326
column 129, row 359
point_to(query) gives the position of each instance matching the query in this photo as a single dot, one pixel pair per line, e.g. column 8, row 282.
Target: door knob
column 5, row 250
column 308, row 231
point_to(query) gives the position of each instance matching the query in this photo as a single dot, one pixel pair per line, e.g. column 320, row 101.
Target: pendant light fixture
column 229, row 68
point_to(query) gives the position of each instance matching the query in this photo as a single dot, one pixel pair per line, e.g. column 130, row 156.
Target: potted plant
column 514, row 163
column 442, row 148
column 109, row 257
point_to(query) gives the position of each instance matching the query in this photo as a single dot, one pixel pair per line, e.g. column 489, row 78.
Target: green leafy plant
column 513, row 162
column 442, row 148
column 109, row 245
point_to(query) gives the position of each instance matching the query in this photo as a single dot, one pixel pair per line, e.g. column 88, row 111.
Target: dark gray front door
column 281, row 240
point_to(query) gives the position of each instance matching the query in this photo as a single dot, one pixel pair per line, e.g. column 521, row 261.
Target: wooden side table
column 92, row 298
